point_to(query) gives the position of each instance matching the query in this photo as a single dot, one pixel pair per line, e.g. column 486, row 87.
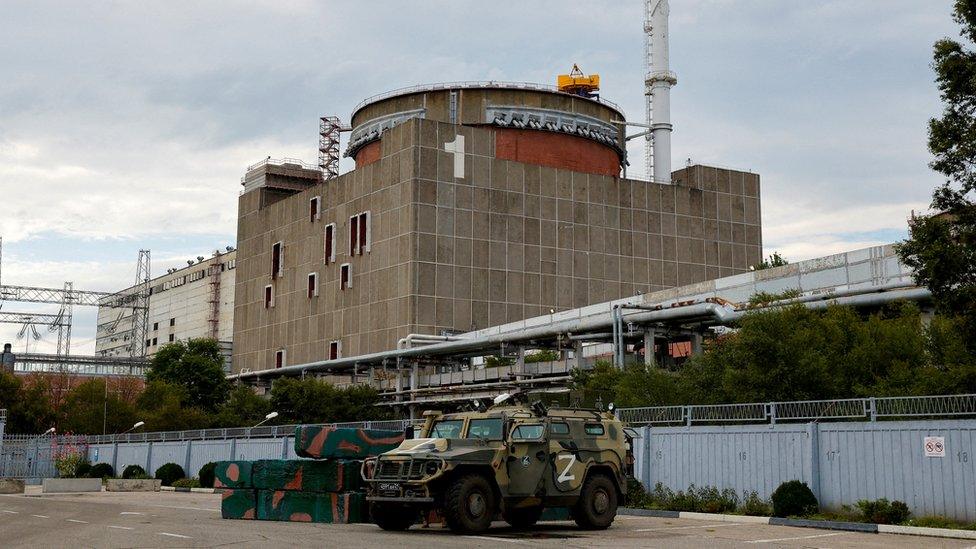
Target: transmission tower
column 140, row 307
column 63, row 327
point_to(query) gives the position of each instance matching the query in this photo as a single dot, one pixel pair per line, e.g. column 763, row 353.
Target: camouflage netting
column 232, row 474
column 240, row 503
column 311, row 506
column 328, row 442
column 307, row 475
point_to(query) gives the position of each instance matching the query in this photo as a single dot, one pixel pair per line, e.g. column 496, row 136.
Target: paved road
column 169, row 519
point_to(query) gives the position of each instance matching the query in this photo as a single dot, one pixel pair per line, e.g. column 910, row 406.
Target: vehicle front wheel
column 597, row 505
column 394, row 518
column 469, row 504
column 522, row 518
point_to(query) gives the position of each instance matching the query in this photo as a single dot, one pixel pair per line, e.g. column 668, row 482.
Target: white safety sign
column 935, row 447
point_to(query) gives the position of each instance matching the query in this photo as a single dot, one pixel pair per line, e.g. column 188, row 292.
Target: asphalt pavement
column 167, row 519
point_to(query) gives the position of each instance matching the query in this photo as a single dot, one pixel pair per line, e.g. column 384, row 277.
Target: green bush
column 170, row 473
column 881, row 511
column 83, row 469
column 794, row 498
column 637, row 497
column 206, row 475
column 707, row 499
column 101, row 470
column 186, row 483
column 134, row 471
column 755, row 506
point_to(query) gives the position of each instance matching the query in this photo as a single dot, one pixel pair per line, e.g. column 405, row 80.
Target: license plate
column 392, row 487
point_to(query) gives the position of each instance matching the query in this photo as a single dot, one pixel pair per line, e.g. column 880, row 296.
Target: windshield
column 489, row 428
column 449, row 428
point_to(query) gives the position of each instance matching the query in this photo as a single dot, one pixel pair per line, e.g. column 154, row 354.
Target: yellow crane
column 578, row 83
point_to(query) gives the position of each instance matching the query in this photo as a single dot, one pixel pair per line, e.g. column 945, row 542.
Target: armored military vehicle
column 512, row 460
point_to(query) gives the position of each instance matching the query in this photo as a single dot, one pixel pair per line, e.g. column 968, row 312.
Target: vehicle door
column 568, row 469
column 528, row 458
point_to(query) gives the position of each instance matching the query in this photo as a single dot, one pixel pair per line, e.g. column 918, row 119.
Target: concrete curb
column 182, row 489
column 924, row 531
column 808, row 523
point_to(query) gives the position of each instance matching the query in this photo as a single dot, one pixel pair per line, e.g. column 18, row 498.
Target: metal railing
column 477, row 84
column 871, row 409
column 265, row 431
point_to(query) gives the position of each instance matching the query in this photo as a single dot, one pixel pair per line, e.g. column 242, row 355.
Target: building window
column 155, row 326
column 353, row 235
column 172, row 337
column 172, row 322
column 330, row 248
column 335, row 350
column 154, row 342
column 279, row 358
column 345, row 276
column 277, row 261
column 313, row 208
column 268, row 296
column 360, row 233
column 148, row 342
column 313, row 285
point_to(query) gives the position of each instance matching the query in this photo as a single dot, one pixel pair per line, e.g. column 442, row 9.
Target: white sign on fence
column 935, row 447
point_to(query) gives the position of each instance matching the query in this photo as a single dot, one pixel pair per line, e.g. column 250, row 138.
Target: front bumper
column 402, row 480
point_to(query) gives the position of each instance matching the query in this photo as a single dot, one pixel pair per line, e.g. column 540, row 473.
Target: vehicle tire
column 522, row 518
column 469, row 504
column 394, row 518
column 597, row 505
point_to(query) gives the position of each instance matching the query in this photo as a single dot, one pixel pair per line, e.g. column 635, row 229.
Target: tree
column 243, row 408
column 794, row 353
column 197, row 366
column 88, row 405
column 316, row 401
column 774, row 260
column 165, row 407
column 941, row 248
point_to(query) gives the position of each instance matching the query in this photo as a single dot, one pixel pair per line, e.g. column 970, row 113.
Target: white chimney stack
column 658, row 80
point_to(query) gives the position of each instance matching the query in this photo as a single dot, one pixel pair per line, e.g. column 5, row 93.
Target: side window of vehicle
column 528, row 432
column 595, row 429
column 559, row 429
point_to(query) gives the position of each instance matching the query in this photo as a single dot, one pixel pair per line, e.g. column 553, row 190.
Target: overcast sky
column 127, row 125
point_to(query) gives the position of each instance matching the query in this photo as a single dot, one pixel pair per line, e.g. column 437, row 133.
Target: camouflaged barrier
column 329, row 442
column 238, row 503
column 284, row 505
column 307, row 475
column 232, row 474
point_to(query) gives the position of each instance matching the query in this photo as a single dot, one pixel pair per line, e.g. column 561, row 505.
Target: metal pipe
column 711, row 313
column 407, row 342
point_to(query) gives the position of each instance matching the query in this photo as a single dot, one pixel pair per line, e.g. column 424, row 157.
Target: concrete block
column 62, row 485
column 11, row 486
column 133, row 485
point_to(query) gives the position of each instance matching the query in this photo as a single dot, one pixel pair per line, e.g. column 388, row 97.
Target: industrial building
column 191, row 302
column 471, row 205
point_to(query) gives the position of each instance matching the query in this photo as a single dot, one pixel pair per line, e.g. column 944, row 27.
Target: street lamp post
column 270, row 416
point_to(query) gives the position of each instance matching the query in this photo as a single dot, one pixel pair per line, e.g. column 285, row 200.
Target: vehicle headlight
column 432, row 467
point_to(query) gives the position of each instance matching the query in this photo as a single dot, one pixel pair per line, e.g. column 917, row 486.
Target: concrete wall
column 842, row 462
column 505, row 242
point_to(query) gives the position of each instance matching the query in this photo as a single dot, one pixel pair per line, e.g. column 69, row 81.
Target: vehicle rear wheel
column 597, row 505
column 394, row 518
column 522, row 518
column 469, row 504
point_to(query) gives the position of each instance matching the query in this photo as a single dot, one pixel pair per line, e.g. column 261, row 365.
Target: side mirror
column 408, row 432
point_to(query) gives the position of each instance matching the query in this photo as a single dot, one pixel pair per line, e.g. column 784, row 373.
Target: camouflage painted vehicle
column 509, row 460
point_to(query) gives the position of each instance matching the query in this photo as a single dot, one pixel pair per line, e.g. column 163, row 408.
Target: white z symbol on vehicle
column 565, row 476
